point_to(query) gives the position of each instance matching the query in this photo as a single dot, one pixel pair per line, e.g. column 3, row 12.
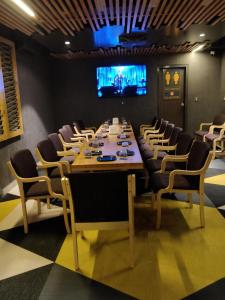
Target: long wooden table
column 110, row 147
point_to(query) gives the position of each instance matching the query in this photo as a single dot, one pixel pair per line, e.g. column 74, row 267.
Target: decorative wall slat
column 11, row 116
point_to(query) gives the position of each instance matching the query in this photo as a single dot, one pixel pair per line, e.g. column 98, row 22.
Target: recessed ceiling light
column 24, row 7
column 67, row 42
column 198, row 48
column 202, row 34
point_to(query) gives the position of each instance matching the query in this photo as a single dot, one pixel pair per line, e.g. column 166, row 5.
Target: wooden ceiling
column 135, row 51
column 72, row 16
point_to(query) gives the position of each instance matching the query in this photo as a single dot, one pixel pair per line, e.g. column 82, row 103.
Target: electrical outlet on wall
column 224, row 98
column 196, row 99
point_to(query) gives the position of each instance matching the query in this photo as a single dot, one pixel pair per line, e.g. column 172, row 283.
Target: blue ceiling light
column 108, row 36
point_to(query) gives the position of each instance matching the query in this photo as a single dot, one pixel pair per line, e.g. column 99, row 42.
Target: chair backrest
column 163, row 126
column 24, row 164
column 54, row 138
column 198, row 155
column 66, row 133
column 77, row 127
column 47, row 150
column 105, row 199
column 168, row 130
column 158, row 123
column 184, row 143
column 154, row 121
column 219, row 119
column 81, row 124
column 174, row 136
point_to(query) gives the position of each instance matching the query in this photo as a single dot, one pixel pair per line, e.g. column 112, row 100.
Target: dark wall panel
column 75, row 90
column 35, row 89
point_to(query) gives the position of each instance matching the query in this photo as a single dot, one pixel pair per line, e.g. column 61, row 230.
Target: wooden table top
column 110, row 147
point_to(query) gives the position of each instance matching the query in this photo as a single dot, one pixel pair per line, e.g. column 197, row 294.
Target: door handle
column 182, row 104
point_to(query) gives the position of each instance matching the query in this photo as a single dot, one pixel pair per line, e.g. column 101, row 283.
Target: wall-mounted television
column 121, row 81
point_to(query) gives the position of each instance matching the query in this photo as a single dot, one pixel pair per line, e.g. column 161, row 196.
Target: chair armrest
column 204, row 125
column 87, row 131
column 59, row 165
column 154, row 136
column 47, row 180
column 148, row 131
column 163, row 148
column 70, row 152
column 157, row 142
column 78, row 137
column 91, row 128
column 173, row 158
column 213, row 127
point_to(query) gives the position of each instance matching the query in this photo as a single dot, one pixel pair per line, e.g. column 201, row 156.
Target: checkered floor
column 39, row 265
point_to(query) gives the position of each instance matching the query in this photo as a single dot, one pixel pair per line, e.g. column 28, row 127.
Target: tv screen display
column 121, row 81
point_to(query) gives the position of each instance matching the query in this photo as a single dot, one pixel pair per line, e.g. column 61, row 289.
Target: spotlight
column 202, row 34
column 67, row 43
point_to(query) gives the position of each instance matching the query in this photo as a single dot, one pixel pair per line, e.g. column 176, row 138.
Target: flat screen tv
column 121, row 81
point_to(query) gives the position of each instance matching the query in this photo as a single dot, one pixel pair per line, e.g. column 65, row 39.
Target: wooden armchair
column 107, row 204
column 66, row 152
column 159, row 138
column 47, row 154
column 32, row 186
column 188, row 181
column 205, row 127
column 68, row 140
column 87, row 133
column 150, row 134
column 178, row 139
column 152, row 126
column 216, row 138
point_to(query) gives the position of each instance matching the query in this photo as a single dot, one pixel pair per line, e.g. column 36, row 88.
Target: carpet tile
column 180, row 261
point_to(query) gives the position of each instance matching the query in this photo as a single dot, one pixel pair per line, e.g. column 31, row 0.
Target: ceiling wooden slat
column 144, row 2
column 130, row 6
column 111, row 10
column 159, row 12
column 124, row 12
column 86, row 13
column 98, row 8
column 135, row 13
column 93, row 14
column 143, row 26
column 74, row 13
column 117, row 12
column 72, row 16
column 105, row 12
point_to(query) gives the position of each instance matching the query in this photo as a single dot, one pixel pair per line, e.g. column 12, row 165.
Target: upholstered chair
column 205, row 127
column 189, row 180
column 107, row 204
column 32, row 186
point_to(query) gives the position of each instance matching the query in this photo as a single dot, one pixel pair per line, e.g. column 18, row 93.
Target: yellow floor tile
column 171, row 263
column 218, row 179
column 6, row 207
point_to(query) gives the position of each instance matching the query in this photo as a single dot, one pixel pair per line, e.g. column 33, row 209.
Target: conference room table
column 110, row 147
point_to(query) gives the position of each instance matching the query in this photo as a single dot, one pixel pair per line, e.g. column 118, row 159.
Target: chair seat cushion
column 212, row 137
column 40, row 188
column 201, row 133
column 160, row 181
column 154, row 165
column 69, row 158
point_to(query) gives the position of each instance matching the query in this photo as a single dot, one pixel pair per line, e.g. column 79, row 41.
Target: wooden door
column 171, row 91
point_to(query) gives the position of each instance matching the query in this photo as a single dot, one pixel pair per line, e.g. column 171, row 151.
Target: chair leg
column 75, row 248
column 48, row 202
column 158, row 202
column 38, row 206
column 131, row 242
column 65, row 215
column 190, row 200
column 201, row 207
column 214, row 150
column 24, row 209
column 146, row 178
